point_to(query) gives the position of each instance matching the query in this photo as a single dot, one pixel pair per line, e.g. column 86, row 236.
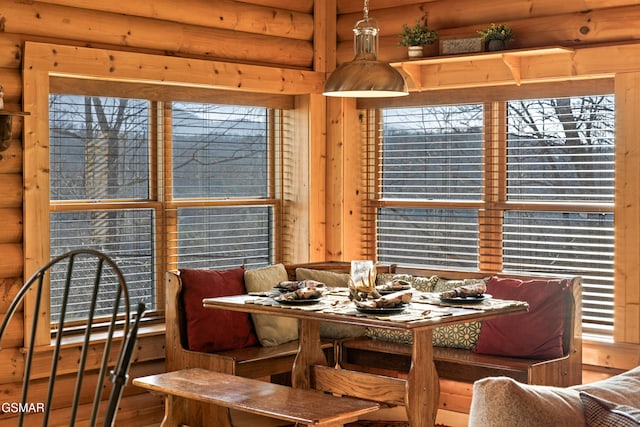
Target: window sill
column 152, row 327
column 623, row 356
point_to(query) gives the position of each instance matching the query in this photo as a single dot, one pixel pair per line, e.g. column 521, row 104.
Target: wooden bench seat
column 463, row 365
column 451, row 363
column 252, row 362
column 305, row 407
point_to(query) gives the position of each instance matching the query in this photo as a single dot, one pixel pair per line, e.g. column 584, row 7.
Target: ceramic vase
column 415, row 51
column 495, row 45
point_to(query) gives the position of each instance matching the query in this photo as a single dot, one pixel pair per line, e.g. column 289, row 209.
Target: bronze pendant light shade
column 365, row 76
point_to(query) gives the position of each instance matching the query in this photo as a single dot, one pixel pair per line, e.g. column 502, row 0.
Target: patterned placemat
column 339, row 304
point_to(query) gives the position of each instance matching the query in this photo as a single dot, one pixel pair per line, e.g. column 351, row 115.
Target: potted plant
column 416, row 37
column 496, row 36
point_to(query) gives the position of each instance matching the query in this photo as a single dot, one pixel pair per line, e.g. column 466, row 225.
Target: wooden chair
column 105, row 315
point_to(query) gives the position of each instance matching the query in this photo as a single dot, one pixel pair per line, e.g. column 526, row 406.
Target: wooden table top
column 424, row 311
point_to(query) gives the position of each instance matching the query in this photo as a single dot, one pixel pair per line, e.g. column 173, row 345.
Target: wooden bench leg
column 171, row 409
column 178, row 411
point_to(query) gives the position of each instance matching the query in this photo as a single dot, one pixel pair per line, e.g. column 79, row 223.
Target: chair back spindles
column 104, row 299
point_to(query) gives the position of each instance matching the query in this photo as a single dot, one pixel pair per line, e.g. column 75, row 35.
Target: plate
column 297, row 301
column 382, row 310
column 387, row 292
column 466, row 300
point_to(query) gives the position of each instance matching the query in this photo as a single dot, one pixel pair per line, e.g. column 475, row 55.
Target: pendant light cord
column 365, row 10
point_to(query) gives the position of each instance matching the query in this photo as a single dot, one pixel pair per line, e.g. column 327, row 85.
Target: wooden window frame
column 610, row 66
column 494, row 203
column 59, row 68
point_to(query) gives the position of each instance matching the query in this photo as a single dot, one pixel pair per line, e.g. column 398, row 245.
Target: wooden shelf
column 512, row 59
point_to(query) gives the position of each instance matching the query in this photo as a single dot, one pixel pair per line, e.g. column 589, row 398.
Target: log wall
column 535, row 23
column 274, row 33
column 261, row 32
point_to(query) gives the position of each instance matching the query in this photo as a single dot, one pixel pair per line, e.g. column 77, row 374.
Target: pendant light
column 365, row 76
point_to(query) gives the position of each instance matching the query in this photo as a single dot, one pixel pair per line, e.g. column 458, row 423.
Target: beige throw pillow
column 329, row 278
column 504, row 402
column 271, row 330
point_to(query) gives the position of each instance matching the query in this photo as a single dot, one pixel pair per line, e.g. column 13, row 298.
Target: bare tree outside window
column 99, row 156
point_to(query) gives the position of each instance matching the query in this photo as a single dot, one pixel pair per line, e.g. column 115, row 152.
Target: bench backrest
column 176, row 325
column 572, row 335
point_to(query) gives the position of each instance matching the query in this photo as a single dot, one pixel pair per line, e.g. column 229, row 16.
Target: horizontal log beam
column 568, row 29
column 10, row 50
column 304, row 6
column 459, row 13
column 11, row 82
column 11, row 185
column 9, row 288
column 11, row 258
column 222, row 14
column 45, row 20
column 11, row 220
column 132, row 67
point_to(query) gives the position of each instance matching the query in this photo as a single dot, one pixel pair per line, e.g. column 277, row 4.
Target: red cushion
column 536, row 334
column 210, row 330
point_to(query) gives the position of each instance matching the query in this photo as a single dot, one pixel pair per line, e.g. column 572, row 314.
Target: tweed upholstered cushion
column 602, row 413
column 623, row 389
column 503, row 402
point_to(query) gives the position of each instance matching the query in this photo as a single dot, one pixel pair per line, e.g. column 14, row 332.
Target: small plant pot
column 496, row 45
column 415, row 51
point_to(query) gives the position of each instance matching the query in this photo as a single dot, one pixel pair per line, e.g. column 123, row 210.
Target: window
column 524, row 186
column 223, row 155
column 100, row 187
column 430, row 154
column 163, row 185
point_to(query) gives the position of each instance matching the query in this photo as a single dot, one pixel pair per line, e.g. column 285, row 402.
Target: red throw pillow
column 536, row 334
column 210, row 330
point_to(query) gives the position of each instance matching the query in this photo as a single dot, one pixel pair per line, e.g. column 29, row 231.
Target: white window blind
column 446, row 238
column 99, row 162
column 537, row 199
column 223, row 158
column 560, row 151
column 220, row 151
column 430, row 154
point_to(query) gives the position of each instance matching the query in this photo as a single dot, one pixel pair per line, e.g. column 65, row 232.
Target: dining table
column 419, row 391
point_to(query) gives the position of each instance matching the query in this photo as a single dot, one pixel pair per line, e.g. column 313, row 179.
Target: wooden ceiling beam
column 134, row 67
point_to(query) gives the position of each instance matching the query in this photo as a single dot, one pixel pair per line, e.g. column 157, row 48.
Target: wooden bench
column 270, row 363
column 304, row 407
column 463, row 365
